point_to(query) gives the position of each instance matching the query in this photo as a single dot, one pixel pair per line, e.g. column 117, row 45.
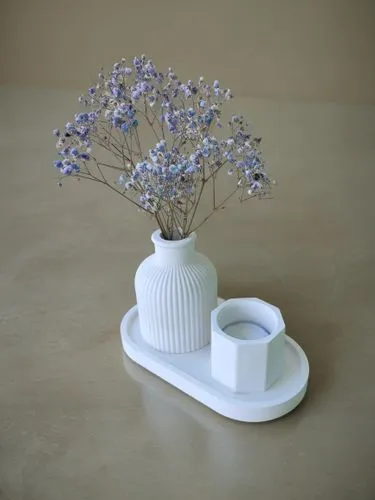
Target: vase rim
column 159, row 241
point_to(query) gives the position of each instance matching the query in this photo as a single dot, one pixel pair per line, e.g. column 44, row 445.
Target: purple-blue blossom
column 136, row 94
column 67, row 170
column 65, row 152
column 132, row 96
column 116, row 91
column 82, row 117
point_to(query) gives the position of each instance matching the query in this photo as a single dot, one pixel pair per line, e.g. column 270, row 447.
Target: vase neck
column 173, row 252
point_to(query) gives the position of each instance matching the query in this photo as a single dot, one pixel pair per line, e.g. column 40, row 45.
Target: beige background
column 76, row 425
column 306, row 49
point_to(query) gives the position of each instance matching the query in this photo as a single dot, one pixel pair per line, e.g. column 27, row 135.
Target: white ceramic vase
column 176, row 290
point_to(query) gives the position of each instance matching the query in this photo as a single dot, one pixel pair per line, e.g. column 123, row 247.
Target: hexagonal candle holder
column 247, row 344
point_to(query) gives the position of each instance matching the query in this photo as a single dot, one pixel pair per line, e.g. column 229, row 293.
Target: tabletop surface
column 79, row 421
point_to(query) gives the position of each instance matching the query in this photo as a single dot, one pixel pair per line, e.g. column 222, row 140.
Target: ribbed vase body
column 176, row 291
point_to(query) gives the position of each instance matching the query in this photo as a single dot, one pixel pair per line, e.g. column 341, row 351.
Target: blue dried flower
column 161, row 146
column 67, row 170
column 93, row 117
column 144, row 87
column 172, row 122
column 65, row 152
column 117, row 121
column 122, row 180
column 116, row 91
column 136, row 94
column 56, row 132
column 166, row 174
column 229, row 156
column 174, row 169
column 70, row 128
column 208, row 119
column 191, row 169
column 82, row 117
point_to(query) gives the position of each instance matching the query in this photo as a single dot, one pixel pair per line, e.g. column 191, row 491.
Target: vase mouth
column 159, row 241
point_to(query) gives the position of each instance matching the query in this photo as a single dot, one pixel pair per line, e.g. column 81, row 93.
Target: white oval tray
column 191, row 373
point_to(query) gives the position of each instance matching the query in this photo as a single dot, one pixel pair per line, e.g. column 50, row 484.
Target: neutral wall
column 322, row 50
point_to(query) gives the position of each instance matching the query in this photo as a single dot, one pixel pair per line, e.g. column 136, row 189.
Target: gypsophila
column 169, row 178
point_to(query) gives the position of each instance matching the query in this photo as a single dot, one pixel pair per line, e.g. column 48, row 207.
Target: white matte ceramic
column 176, row 289
column 251, row 364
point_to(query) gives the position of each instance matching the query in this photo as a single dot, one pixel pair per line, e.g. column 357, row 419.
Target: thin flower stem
column 151, row 125
column 214, row 211
column 138, row 143
column 214, row 191
column 161, row 225
column 130, row 152
column 110, row 166
column 196, row 206
column 163, row 218
column 107, row 148
column 160, row 123
column 215, row 172
column 92, row 177
column 100, row 170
